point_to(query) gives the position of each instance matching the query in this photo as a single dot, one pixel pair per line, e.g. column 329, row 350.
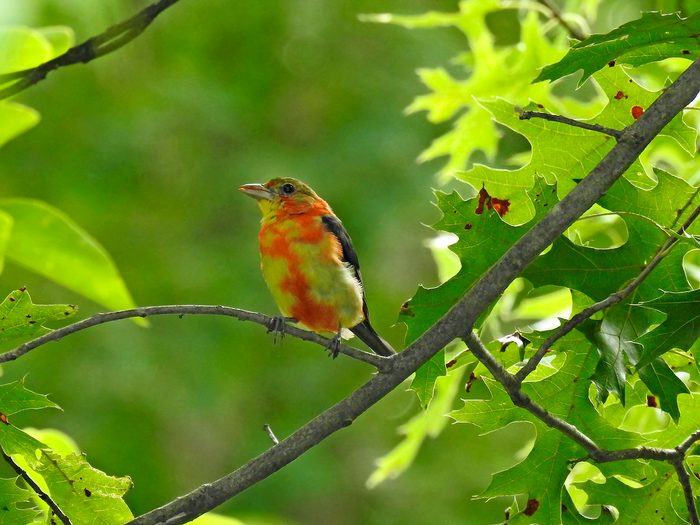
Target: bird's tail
column 371, row 338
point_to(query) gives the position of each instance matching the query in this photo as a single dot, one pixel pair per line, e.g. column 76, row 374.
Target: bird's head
column 284, row 195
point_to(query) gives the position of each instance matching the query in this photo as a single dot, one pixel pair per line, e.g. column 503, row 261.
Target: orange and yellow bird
column 309, row 263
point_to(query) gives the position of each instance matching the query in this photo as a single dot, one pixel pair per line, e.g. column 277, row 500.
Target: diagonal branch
column 110, row 40
column 456, row 323
column 38, row 490
column 684, row 479
column 557, row 14
column 381, row 363
column 612, row 299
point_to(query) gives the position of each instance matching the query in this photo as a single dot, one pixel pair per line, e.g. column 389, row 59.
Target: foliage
column 606, row 377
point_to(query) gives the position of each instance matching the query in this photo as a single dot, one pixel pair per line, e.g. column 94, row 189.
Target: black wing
column 349, row 255
column 364, row 329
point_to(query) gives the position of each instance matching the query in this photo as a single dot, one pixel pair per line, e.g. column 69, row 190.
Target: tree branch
column 684, row 479
column 612, row 299
column 527, row 115
column 381, row 363
column 110, row 40
column 37, row 489
column 456, row 323
column 557, row 14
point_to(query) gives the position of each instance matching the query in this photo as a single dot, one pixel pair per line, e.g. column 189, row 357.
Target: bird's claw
column 334, row 346
column 278, row 325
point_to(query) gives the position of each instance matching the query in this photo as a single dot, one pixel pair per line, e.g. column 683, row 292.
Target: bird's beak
column 257, row 191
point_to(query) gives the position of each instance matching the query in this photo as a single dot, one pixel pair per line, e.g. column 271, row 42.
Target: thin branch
column 557, row 14
column 689, row 442
column 612, row 299
column 381, row 363
column 39, row 492
column 522, row 400
column 527, row 115
column 110, row 40
column 455, row 323
column 684, row 479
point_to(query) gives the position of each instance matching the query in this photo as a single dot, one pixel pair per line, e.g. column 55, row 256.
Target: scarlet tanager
column 309, row 263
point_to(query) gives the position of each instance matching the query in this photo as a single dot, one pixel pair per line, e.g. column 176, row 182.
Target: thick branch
column 381, row 363
column 456, row 323
column 112, row 39
column 37, row 489
column 527, row 115
column 612, row 299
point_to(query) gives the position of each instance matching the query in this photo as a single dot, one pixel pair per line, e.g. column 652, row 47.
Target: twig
column 39, row 492
column 522, row 400
column 113, row 38
column 381, row 363
column 455, row 323
column 684, row 479
column 527, row 115
column 557, row 14
column 613, row 298
column 267, row 428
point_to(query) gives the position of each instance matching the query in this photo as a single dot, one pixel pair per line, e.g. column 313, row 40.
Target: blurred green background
column 145, row 149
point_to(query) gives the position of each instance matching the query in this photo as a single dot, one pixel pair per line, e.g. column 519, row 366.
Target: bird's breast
column 302, row 266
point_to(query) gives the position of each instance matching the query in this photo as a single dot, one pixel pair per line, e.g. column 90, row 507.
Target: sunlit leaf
column 48, row 242
column 652, row 37
column 20, row 317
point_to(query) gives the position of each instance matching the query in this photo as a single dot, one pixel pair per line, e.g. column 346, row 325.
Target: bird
column 310, row 265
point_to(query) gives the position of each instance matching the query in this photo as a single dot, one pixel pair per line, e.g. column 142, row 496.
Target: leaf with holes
column 20, row 317
column 652, row 37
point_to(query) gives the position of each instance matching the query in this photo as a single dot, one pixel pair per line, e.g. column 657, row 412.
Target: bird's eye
column 288, row 188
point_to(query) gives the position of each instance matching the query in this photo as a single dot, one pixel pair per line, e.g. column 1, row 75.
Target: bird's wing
column 349, row 255
column 364, row 329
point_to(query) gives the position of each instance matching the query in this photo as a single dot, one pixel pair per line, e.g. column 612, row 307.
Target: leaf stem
column 557, row 14
column 527, row 115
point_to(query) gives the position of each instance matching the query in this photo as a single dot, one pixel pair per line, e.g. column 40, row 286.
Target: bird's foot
column 334, row 346
column 278, row 325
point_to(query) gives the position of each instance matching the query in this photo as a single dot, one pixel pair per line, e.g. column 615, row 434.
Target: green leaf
column 483, row 238
column 598, row 273
column 15, row 397
column 680, row 329
column 665, row 384
column 48, row 242
column 10, row 495
column 652, row 37
column 15, row 119
column 423, row 383
column 542, row 473
column 215, row 519
column 651, row 502
column 563, row 153
column 82, row 492
column 20, row 317
column 22, row 48
column 429, row 423
column 483, row 65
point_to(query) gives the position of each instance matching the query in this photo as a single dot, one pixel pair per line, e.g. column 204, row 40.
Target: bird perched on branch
column 309, row 263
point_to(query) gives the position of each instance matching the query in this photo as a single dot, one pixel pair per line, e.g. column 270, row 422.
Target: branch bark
column 456, row 323
column 381, row 363
column 110, row 40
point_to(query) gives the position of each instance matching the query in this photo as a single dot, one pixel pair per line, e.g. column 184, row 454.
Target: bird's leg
column 334, row 344
column 278, row 325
